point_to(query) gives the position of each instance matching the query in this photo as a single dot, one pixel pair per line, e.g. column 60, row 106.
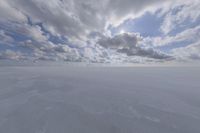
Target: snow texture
column 99, row 100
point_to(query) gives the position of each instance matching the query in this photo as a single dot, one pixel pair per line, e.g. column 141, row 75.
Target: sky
column 104, row 31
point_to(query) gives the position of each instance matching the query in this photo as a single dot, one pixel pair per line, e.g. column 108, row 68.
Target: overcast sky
column 100, row 31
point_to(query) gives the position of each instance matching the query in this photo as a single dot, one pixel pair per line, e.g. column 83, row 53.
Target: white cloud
column 120, row 10
column 180, row 12
column 188, row 35
column 190, row 52
column 13, row 55
column 76, row 20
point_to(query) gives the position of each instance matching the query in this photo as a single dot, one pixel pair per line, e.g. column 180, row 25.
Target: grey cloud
column 28, row 32
column 119, row 41
column 36, row 43
column 151, row 53
column 5, row 39
column 49, row 51
column 128, row 43
column 122, row 7
column 190, row 52
column 75, row 18
column 38, row 47
column 69, row 18
column 10, row 13
column 9, row 54
column 51, row 13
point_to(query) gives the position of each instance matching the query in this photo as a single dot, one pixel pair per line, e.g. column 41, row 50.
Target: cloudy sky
column 104, row 31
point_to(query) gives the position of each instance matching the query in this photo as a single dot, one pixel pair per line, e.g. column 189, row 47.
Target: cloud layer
column 129, row 44
column 79, row 30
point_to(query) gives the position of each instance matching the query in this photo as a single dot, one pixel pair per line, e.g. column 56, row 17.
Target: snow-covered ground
column 99, row 100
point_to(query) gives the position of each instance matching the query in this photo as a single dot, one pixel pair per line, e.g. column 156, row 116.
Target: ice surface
column 99, row 100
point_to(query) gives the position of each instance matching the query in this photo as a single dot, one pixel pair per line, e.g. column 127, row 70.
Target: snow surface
column 99, row 100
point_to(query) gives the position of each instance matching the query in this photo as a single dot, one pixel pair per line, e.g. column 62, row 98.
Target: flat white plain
column 99, row 100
